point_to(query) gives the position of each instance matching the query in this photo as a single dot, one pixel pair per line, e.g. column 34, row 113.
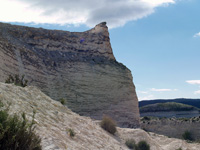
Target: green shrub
column 187, row 136
column 17, row 134
column 130, row 143
column 179, row 149
column 142, row 145
column 62, row 101
column 108, row 124
column 146, row 118
column 71, row 132
column 17, row 80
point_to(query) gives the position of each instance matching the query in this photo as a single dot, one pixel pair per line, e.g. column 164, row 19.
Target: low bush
column 187, row 136
column 16, row 133
column 62, row 101
column 130, row 143
column 17, row 80
column 146, row 118
column 71, row 133
column 179, row 149
column 142, row 145
column 108, row 124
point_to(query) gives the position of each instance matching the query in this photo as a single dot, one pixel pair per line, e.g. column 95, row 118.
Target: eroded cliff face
column 77, row 66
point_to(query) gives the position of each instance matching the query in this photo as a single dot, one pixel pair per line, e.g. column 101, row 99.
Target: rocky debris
column 53, row 121
column 170, row 114
column 156, row 141
column 77, row 66
column 172, row 127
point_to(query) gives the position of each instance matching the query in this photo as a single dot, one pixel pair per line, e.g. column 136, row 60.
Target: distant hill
column 169, row 106
column 192, row 102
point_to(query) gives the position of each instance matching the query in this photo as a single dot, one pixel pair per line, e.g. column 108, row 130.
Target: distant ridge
column 192, row 102
column 166, row 107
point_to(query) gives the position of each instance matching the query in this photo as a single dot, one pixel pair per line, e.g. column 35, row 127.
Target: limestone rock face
column 77, row 66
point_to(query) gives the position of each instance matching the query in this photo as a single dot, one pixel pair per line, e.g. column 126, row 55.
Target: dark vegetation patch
column 142, row 145
column 192, row 102
column 17, row 133
column 17, row 80
column 71, row 133
column 187, row 135
column 169, row 106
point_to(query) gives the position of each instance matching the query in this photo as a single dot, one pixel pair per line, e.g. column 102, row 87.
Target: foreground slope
column 77, row 66
column 53, row 120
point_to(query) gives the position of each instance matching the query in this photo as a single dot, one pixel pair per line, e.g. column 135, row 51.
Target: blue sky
column 158, row 40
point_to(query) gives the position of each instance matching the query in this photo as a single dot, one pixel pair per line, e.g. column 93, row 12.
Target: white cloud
column 162, row 90
column 197, row 92
column 143, row 92
column 197, row 35
column 156, row 3
column 148, row 97
column 90, row 12
column 193, row 81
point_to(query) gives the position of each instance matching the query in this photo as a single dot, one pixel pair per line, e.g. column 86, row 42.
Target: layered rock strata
column 77, row 66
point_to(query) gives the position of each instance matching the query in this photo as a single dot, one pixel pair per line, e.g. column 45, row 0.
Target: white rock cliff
column 77, row 66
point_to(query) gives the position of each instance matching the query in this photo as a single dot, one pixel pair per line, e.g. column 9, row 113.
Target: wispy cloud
column 197, row 35
column 90, row 12
column 162, row 90
column 197, row 92
column 143, row 92
column 148, row 97
column 193, row 81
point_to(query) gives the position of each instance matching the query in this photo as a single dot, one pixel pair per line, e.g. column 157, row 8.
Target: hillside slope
column 53, row 120
column 187, row 101
column 168, row 106
column 169, row 109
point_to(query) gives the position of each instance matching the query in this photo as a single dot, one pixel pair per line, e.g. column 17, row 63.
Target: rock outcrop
column 77, row 66
column 53, row 121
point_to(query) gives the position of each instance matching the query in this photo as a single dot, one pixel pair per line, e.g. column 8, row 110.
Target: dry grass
column 108, row 124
